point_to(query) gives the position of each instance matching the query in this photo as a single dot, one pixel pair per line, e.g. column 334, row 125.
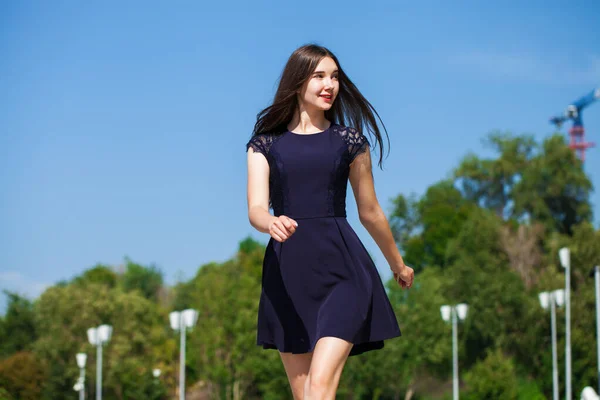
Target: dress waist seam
column 315, row 216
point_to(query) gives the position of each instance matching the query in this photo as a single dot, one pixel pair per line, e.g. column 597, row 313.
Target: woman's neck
column 308, row 122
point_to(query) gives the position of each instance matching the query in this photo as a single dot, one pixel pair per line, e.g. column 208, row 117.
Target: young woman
column 322, row 298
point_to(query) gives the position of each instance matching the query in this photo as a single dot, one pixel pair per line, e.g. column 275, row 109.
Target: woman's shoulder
column 262, row 142
column 350, row 134
column 355, row 142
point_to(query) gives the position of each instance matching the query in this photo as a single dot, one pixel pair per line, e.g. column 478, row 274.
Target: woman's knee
column 318, row 383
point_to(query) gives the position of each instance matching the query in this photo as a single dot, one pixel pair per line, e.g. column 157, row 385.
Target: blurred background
column 123, row 178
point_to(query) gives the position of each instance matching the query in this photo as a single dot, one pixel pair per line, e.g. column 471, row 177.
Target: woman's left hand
column 404, row 276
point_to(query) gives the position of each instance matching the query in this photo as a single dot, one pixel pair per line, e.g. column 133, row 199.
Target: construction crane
column 573, row 112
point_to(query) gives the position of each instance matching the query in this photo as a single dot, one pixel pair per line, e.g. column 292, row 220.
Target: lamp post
column 552, row 299
column 565, row 260
column 181, row 320
column 157, row 392
column 98, row 337
column 454, row 313
column 596, row 273
column 80, row 385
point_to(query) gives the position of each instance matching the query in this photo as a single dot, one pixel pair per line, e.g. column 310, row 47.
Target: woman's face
column 322, row 87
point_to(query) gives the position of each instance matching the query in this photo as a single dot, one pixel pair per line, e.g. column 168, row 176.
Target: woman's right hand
column 282, row 227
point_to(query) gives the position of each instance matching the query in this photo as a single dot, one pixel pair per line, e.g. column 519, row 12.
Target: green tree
column 139, row 342
column 443, row 211
column 493, row 378
column 147, row 280
column 585, row 254
column 404, row 219
column 226, row 296
column 17, row 327
column 4, row 395
column 21, row 375
column 425, row 227
column 481, row 276
column 99, row 274
column 423, row 353
column 490, row 182
column 554, row 189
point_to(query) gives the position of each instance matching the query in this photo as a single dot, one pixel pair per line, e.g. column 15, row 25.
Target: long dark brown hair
column 350, row 108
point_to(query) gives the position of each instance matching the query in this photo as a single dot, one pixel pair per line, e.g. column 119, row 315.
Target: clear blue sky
column 122, row 127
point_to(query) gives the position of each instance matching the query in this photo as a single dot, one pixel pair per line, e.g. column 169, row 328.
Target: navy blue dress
column 321, row 281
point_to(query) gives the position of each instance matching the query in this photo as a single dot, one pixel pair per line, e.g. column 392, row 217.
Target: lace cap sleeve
column 259, row 143
column 357, row 142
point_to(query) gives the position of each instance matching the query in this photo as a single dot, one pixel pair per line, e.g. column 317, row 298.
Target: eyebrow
column 322, row 72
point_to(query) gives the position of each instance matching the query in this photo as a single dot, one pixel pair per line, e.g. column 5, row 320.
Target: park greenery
column 488, row 236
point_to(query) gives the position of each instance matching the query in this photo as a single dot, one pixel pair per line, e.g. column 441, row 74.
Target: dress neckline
column 312, row 134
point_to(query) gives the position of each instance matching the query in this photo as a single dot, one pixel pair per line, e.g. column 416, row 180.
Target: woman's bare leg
column 296, row 368
column 328, row 360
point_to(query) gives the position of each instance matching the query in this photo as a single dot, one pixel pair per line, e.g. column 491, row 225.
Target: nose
column 328, row 83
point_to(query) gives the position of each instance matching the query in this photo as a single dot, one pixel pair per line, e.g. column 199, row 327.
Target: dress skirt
column 322, row 282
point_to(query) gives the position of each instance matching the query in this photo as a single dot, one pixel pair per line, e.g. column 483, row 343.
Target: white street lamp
column 589, row 394
column 596, row 273
column 182, row 321
column 80, row 385
column 454, row 312
column 98, row 337
column 565, row 260
column 552, row 299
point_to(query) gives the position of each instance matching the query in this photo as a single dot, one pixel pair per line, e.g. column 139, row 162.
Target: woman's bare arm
column 280, row 228
column 373, row 218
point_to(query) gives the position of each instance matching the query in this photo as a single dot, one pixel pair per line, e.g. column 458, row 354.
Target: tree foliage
column 424, row 227
column 139, row 343
column 490, row 182
column 489, row 237
column 528, row 182
column 21, row 376
column 148, row 281
column 493, row 378
column 17, row 328
column 553, row 189
column 99, row 275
